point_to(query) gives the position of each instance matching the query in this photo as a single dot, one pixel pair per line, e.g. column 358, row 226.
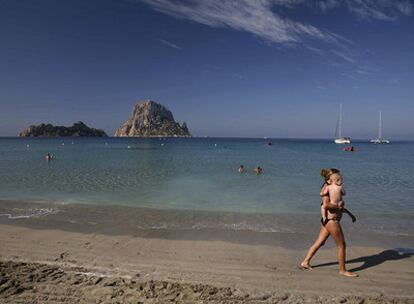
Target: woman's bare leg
column 320, row 241
column 335, row 230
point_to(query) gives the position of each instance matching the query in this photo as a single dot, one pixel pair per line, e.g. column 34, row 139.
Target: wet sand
column 90, row 257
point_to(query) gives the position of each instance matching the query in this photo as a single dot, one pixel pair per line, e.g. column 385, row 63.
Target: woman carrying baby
column 332, row 193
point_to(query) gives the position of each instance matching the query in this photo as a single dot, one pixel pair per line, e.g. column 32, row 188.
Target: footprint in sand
column 62, row 256
column 271, row 267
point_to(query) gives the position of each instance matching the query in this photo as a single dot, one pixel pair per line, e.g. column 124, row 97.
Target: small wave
column 31, row 213
column 256, row 228
column 389, row 232
column 404, row 250
column 220, row 226
column 240, row 226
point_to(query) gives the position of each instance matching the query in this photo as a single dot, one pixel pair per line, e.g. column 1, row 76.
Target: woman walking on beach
column 330, row 227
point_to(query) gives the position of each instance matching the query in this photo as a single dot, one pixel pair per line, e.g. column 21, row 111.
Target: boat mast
column 340, row 122
column 379, row 131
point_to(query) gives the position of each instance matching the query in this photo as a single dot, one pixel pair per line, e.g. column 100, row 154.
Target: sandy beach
column 65, row 257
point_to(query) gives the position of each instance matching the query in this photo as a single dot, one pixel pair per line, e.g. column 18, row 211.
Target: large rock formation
column 48, row 130
column 150, row 119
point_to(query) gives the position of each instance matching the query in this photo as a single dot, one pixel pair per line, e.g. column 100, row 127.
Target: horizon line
column 196, row 137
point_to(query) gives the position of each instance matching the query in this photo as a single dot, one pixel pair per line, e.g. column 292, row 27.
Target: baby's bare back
column 335, row 195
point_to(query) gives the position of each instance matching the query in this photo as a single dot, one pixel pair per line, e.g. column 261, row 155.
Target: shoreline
column 74, row 247
column 291, row 231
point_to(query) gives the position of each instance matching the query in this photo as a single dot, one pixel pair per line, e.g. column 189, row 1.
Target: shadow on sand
column 376, row 259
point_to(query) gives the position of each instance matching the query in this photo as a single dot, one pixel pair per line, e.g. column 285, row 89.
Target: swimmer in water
column 241, row 169
column 48, row 157
column 258, row 170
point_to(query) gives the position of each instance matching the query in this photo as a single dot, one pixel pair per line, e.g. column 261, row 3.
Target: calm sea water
column 201, row 174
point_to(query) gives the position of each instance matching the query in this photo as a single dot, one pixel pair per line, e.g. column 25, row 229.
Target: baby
column 335, row 190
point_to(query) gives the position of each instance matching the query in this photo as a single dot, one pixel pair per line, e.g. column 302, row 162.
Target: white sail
column 339, row 139
column 338, row 129
column 379, row 139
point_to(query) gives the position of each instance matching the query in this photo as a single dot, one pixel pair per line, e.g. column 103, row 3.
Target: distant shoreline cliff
column 151, row 119
column 78, row 129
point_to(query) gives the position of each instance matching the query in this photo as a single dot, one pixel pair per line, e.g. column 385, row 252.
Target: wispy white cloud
column 371, row 9
column 345, row 55
column 328, row 4
column 315, row 50
column 362, row 72
column 253, row 16
column 263, row 18
column 170, row 44
column 405, row 7
column 367, row 69
column 259, row 17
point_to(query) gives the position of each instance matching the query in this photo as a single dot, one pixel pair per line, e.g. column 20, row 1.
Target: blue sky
column 277, row 68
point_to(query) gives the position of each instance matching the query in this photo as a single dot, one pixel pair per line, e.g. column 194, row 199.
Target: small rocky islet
column 78, row 129
column 151, row 119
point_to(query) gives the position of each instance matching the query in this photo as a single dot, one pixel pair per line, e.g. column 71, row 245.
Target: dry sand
column 53, row 266
column 43, row 260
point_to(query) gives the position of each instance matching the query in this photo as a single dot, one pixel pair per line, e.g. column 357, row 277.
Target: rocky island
column 48, row 130
column 151, row 119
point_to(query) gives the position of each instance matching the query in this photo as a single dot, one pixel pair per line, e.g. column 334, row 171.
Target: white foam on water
column 32, row 213
column 389, row 232
column 242, row 227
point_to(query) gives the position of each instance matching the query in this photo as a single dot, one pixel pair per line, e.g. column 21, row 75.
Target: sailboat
column 379, row 139
column 339, row 139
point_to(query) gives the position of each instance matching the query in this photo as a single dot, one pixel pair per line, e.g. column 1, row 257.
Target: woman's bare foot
column 348, row 274
column 306, row 265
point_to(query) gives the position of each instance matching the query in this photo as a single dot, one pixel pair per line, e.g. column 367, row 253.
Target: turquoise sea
column 201, row 173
